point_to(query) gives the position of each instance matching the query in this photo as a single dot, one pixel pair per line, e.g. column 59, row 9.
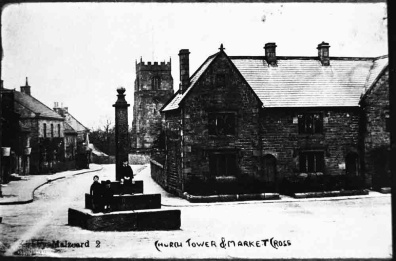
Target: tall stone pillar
column 121, row 130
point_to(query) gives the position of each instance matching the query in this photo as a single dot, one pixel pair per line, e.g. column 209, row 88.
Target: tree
column 104, row 137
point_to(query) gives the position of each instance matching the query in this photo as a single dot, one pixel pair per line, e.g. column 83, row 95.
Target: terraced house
column 35, row 138
column 265, row 123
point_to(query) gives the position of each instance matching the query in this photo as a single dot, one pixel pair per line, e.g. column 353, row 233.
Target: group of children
column 102, row 196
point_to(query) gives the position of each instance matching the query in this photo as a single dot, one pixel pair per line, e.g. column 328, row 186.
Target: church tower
column 153, row 88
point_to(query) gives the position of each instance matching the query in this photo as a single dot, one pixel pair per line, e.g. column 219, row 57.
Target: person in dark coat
column 108, row 195
column 127, row 176
column 96, row 193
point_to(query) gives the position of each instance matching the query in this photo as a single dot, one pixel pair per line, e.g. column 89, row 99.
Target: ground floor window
column 222, row 164
column 312, row 161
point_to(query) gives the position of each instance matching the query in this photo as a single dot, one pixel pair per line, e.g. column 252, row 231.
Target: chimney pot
column 26, row 89
column 270, row 53
column 323, row 53
column 184, row 69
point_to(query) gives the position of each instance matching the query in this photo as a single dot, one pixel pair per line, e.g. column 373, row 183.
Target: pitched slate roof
column 378, row 66
column 74, row 123
column 68, row 128
column 300, row 81
column 35, row 106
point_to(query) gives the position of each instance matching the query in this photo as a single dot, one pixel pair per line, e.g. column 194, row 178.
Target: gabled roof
column 380, row 65
column 35, row 106
column 74, row 123
column 178, row 97
column 300, row 81
column 69, row 129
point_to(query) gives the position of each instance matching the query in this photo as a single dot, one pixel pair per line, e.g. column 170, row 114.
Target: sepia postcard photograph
column 195, row 130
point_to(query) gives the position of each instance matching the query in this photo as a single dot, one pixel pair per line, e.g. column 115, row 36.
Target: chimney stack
column 184, row 70
column 323, row 53
column 270, row 53
column 26, row 89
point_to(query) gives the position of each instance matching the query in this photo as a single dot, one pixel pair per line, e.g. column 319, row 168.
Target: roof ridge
column 382, row 57
column 306, row 58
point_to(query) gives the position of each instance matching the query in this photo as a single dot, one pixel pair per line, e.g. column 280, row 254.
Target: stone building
column 376, row 126
column 36, row 136
column 42, row 146
column 251, row 121
column 76, row 134
column 153, row 87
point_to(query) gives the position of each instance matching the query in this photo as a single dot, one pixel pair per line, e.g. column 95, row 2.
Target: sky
column 78, row 54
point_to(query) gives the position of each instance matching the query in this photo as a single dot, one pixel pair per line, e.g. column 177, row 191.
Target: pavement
column 22, row 191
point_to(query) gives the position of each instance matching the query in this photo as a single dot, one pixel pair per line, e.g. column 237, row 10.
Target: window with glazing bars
column 310, row 123
column 222, row 123
column 312, row 161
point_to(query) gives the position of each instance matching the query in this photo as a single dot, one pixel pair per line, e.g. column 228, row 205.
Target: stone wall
column 376, row 135
column 173, row 154
column 221, row 89
column 281, row 138
column 48, row 123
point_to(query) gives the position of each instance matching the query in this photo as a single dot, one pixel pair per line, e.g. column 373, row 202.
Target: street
column 359, row 228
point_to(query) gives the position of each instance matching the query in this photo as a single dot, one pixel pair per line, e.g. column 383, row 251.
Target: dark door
column 352, row 164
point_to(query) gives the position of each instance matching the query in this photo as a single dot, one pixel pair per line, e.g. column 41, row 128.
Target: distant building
column 43, row 147
column 268, row 119
column 76, row 134
column 36, row 138
column 153, row 87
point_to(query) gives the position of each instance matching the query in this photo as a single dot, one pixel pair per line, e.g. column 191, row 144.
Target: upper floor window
column 45, row 130
column 156, row 83
column 312, row 161
column 221, row 123
column 52, row 130
column 59, row 130
column 310, row 123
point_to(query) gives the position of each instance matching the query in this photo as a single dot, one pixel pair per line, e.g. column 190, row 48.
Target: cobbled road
column 359, row 228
